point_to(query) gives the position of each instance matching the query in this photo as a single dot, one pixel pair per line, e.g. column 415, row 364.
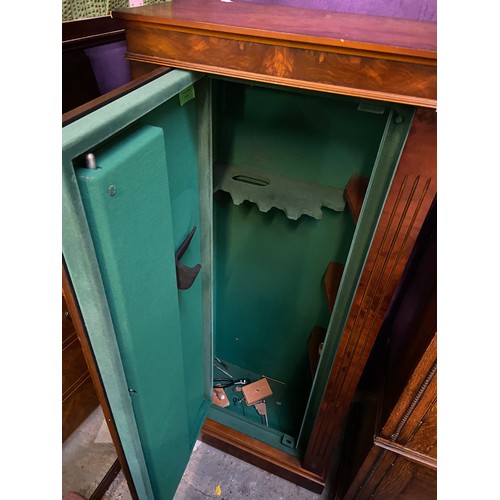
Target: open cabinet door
column 132, row 240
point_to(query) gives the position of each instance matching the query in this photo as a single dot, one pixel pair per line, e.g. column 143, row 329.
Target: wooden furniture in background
column 366, row 56
column 390, row 449
column 79, row 398
column 79, row 83
column 402, row 462
column 355, row 194
column 72, row 321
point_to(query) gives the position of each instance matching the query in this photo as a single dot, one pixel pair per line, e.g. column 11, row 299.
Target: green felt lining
column 269, row 270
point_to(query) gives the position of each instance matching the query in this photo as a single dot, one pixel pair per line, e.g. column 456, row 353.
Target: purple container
column 110, row 67
column 419, row 10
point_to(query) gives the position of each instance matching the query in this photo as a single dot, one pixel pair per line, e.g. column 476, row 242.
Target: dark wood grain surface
column 403, row 461
column 111, row 96
column 95, row 378
column 79, row 398
column 380, row 34
column 350, row 54
column 408, row 202
column 85, row 33
column 354, row 194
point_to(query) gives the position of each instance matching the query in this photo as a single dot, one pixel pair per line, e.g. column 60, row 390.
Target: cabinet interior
column 267, row 267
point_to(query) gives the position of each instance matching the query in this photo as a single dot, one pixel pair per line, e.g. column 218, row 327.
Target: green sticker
column 186, row 95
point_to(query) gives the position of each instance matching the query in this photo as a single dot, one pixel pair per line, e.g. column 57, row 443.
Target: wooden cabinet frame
column 363, row 56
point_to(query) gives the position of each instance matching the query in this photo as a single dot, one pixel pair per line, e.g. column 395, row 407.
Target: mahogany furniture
column 88, row 393
column 390, row 449
column 367, row 56
column 86, row 44
column 379, row 62
column 403, row 460
column 79, row 398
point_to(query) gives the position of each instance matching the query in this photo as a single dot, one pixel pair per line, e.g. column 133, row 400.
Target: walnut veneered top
column 300, row 25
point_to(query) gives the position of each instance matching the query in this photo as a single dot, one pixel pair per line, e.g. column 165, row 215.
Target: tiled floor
column 88, row 453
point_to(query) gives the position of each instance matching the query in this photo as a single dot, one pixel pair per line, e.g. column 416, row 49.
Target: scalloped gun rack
column 294, row 197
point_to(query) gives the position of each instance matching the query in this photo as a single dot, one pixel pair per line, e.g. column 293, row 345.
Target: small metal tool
column 221, row 363
column 273, row 379
column 242, row 381
column 237, row 401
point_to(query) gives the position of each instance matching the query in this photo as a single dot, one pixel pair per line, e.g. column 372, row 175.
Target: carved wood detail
column 407, row 452
column 388, row 474
column 416, row 410
column 414, row 402
column 390, row 466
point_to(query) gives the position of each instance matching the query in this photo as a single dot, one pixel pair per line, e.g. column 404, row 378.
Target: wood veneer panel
column 349, row 54
column 354, row 194
column 402, row 463
column 74, row 368
column 68, row 329
column 391, row 475
column 77, row 405
column 413, row 421
column 284, row 23
column 409, row 199
column 424, row 440
column 85, row 33
column 142, row 79
column 78, row 395
column 313, row 68
column 398, row 478
column 143, row 70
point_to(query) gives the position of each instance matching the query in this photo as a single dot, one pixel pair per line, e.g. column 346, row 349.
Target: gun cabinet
column 223, row 229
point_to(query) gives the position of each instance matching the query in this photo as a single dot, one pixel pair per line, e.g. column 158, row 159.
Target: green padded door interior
column 122, row 224
column 128, row 206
